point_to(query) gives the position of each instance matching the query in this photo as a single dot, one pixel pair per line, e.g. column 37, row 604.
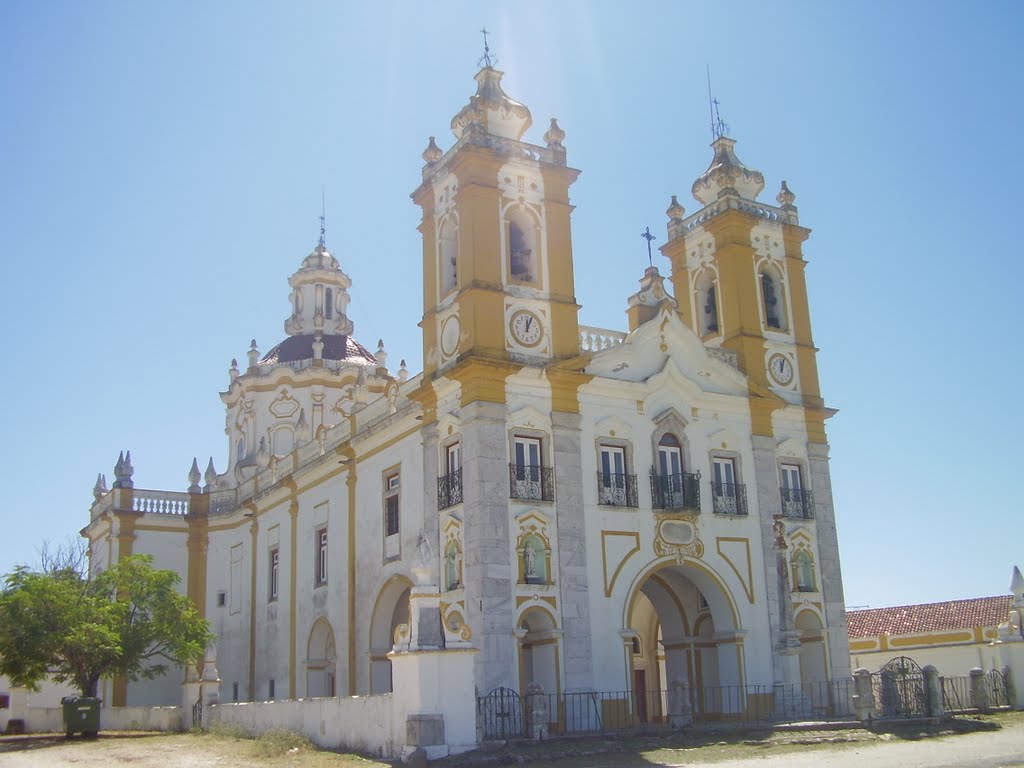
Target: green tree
column 127, row 621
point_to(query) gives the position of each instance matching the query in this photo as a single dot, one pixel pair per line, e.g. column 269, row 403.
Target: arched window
column 522, row 247
column 706, row 295
column 772, row 299
column 449, row 257
column 803, row 571
column 329, row 303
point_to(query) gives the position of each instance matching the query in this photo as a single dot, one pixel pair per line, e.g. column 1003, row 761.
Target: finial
column 194, row 477
column 323, row 219
column 1017, row 584
column 403, row 373
column 381, row 355
column 646, row 235
column 254, row 355
column 124, row 470
column 554, row 135
column 210, row 476
column 718, row 127
column 433, row 152
column 675, row 211
column 485, row 60
column 100, row 489
column 233, row 370
column 785, row 196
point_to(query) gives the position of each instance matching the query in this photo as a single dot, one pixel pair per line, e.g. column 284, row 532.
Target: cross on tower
column 486, row 58
column 323, row 218
column 646, row 235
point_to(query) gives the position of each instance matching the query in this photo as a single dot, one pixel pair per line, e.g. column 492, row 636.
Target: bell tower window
column 706, row 295
column 522, row 251
column 773, row 299
column 449, row 257
column 329, row 303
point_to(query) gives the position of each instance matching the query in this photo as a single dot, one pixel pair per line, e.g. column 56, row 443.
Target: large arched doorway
column 538, row 650
column 321, row 660
column 681, row 630
column 389, row 611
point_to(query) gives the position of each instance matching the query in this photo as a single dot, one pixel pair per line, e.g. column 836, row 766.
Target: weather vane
column 323, row 219
column 646, row 235
column 718, row 128
column 486, row 60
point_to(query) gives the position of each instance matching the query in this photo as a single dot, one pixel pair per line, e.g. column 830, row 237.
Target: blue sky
column 161, row 167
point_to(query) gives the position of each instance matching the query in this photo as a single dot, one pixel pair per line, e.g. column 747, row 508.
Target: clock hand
column 528, row 321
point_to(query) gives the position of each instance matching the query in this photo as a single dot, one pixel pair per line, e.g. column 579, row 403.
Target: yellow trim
column 350, row 482
column 482, row 379
column 908, row 641
column 609, row 585
column 748, row 585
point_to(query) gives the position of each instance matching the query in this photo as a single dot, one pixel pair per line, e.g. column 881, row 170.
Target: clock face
column 780, row 369
column 526, row 328
column 450, row 336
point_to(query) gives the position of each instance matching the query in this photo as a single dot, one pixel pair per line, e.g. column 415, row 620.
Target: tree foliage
column 127, row 621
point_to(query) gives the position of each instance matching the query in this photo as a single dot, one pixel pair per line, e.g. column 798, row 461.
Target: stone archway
column 538, row 650
column 321, row 660
column 390, row 610
column 682, row 624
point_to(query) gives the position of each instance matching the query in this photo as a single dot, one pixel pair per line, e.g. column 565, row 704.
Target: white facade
column 539, row 476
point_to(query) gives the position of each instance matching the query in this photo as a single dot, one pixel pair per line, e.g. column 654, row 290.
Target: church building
column 589, row 509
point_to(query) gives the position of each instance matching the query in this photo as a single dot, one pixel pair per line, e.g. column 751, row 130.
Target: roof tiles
column 929, row 617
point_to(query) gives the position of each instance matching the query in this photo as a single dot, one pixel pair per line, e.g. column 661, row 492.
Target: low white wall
column 359, row 723
column 51, row 719
column 950, row 660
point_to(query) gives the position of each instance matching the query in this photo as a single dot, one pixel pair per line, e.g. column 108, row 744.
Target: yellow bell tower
column 498, row 288
column 738, row 275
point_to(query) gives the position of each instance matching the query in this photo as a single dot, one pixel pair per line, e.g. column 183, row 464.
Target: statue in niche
column 452, row 565
column 530, row 559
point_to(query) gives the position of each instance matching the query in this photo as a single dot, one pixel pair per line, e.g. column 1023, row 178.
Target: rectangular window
column 791, row 477
column 222, row 599
column 454, row 458
column 234, row 691
column 321, row 556
column 5, row 701
column 728, row 497
column 392, row 485
column 796, row 502
column 614, row 486
column 449, row 484
column 725, row 471
column 527, row 458
column 275, row 569
column 270, row 690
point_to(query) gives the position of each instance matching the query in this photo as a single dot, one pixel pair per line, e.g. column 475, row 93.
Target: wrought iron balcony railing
column 616, row 490
column 527, row 481
column 449, row 489
column 679, row 491
column 796, row 502
column 729, row 498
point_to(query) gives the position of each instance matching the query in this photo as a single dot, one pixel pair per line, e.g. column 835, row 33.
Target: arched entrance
column 321, row 660
column 538, row 650
column 681, row 630
column 390, row 610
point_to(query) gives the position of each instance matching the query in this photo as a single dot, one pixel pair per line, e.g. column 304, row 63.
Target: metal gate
column 502, row 714
column 995, row 681
column 899, row 689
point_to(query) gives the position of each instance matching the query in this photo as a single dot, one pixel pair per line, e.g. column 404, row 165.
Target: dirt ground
column 984, row 742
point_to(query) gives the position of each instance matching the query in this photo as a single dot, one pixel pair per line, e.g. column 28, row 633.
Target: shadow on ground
column 45, row 740
column 639, row 750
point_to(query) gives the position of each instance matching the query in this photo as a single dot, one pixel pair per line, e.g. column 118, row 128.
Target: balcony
column 616, row 490
column 531, row 482
column 679, row 491
column 729, row 498
column 797, row 503
column 449, row 489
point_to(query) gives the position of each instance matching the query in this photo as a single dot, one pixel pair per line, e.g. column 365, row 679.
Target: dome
column 492, row 110
column 300, row 347
column 726, row 173
column 320, row 258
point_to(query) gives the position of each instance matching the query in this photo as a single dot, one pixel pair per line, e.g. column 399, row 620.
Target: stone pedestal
column 932, row 692
column 979, row 690
column 680, row 714
column 864, row 695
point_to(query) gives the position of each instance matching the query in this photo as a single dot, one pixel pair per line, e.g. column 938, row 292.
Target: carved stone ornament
column 727, row 174
column 677, row 536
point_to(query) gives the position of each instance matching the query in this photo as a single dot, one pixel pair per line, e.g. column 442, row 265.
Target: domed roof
column 336, row 347
column 492, row 110
column 727, row 174
column 320, row 258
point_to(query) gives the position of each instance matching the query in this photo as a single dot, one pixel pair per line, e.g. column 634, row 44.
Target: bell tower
column 738, row 275
column 497, row 250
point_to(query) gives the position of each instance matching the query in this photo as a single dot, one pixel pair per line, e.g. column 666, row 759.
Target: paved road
column 991, row 749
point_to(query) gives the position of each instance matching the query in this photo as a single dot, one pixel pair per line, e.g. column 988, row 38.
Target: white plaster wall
column 51, row 719
column 950, row 660
column 360, row 723
column 230, row 622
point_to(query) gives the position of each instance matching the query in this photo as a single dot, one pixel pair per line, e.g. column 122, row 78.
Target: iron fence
column 678, row 491
column 899, row 690
column 449, row 489
column 729, row 498
column 956, row 693
column 615, row 489
column 504, row 714
column 528, row 481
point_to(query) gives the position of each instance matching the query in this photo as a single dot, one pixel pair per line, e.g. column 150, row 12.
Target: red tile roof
column 929, row 617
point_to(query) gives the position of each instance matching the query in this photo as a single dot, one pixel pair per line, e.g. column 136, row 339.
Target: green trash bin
column 81, row 715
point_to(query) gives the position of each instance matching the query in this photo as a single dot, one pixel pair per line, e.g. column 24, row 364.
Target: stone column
column 487, row 559
column 932, row 692
column 864, row 695
column 572, row 553
column 979, row 690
